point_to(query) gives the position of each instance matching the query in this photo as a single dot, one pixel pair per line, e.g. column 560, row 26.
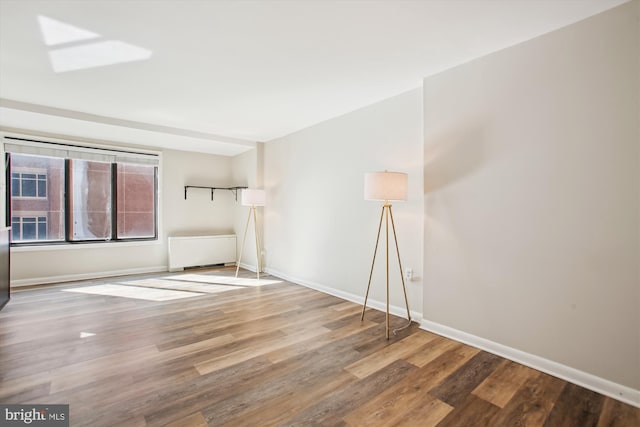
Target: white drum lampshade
column 252, row 197
column 385, row 186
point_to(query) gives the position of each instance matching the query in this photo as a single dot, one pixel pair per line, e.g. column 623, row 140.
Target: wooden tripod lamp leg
column 255, row 228
column 387, row 214
column 386, row 229
column 404, row 288
column 246, row 228
column 375, row 251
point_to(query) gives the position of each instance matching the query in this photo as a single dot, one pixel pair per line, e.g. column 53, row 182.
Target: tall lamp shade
column 385, row 186
column 252, row 197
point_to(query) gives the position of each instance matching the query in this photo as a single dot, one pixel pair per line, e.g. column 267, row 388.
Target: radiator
column 195, row 251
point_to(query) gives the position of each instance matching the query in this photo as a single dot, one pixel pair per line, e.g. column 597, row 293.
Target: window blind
column 69, row 151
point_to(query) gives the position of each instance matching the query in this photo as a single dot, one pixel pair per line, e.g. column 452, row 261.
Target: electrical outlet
column 408, row 273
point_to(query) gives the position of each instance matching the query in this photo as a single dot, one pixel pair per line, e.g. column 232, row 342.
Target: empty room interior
column 356, row 213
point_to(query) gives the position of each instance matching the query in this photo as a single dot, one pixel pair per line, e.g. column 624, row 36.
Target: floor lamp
column 253, row 199
column 386, row 186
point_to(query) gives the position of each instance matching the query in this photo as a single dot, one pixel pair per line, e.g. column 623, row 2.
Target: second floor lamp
column 252, row 198
column 386, row 187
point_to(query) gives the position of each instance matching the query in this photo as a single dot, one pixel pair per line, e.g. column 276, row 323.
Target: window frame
column 67, row 241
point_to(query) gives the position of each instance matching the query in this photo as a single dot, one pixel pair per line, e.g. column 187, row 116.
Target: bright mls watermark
column 34, row 415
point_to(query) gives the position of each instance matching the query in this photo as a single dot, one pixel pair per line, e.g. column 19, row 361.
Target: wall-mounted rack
column 234, row 190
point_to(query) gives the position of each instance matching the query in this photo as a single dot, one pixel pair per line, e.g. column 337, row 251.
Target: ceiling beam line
column 112, row 121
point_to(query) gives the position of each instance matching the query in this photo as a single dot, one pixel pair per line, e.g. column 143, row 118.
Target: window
column 31, row 178
column 27, row 228
column 136, row 201
column 29, row 184
column 90, row 188
column 86, row 196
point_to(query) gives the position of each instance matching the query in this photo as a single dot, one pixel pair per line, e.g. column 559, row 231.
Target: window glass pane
column 37, row 171
column 42, row 187
column 15, row 229
column 136, row 201
column 28, row 186
column 90, row 200
column 28, row 230
column 42, row 228
column 15, row 186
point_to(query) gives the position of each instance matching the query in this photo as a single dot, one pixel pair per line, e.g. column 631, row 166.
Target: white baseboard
column 600, row 385
column 250, row 267
column 85, row 276
column 358, row 299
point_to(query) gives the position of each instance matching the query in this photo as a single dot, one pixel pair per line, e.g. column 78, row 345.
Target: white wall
column 197, row 214
column 318, row 229
column 532, row 214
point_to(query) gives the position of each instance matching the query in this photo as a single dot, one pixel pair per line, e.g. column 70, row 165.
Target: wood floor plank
column 455, row 388
column 617, row 414
column 429, row 414
column 132, row 422
column 279, row 354
column 279, row 407
column 531, row 405
column 307, row 372
column 77, row 374
column 472, row 411
column 182, row 400
column 193, row 420
column 296, row 375
column 353, row 317
column 330, row 411
column 397, row 350
column 345, row 305
column 499, row 387
column 126, row 395
column 24, row 392
column 431, row 351
column 575, row 406
column 403, row 330
column 411, row 393
column 318, row 341
column 264, row 347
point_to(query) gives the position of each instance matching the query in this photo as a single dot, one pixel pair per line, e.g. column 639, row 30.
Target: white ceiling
column 216, row 76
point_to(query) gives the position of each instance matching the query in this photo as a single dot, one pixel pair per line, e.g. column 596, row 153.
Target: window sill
column 72, row 246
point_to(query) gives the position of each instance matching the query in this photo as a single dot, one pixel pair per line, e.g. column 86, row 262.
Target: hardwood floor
column 279, row 354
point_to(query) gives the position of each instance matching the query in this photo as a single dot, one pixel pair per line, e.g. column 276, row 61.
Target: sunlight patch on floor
column 136, row 292
column 223, row 280
column 179, row 285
